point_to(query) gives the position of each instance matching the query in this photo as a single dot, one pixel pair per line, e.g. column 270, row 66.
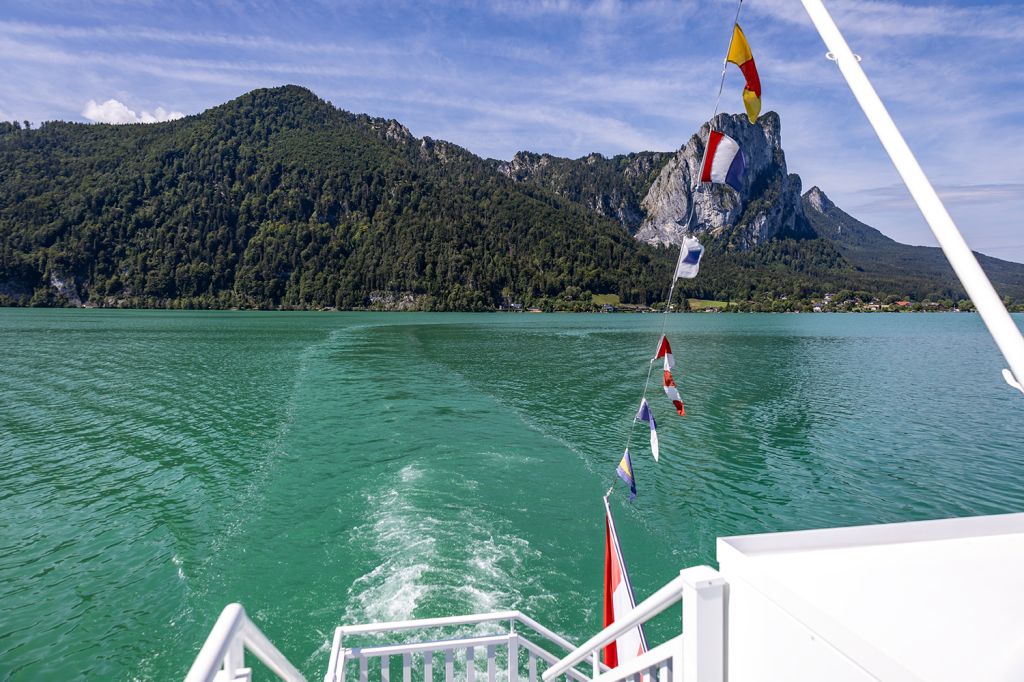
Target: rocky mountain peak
column 818, row 200
column 524, row 165
column 391, row 129
column 768, row 205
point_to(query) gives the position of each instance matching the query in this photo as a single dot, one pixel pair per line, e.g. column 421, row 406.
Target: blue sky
column 570, row 77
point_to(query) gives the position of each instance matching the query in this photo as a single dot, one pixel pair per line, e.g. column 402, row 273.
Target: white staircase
column 505, row 646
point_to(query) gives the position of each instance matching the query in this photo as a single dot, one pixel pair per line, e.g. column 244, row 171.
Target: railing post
column 595, row 659
column 703, row 625
column 513, row 657
column 334, row 672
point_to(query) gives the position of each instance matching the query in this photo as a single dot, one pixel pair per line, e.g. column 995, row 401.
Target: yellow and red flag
column 740, row 55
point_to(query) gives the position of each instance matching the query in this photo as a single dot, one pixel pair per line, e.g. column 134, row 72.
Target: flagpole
column 622, row 565
column 980, row 290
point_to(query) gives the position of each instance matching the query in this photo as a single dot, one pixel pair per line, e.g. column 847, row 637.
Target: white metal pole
column 1000, row 325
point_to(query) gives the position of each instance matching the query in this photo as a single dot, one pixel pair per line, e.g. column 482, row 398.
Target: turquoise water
column 332, row 468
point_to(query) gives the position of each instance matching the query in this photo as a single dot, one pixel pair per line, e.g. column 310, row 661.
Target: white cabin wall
column 764, row 642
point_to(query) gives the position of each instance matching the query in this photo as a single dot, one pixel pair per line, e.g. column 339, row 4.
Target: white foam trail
column 405, row 537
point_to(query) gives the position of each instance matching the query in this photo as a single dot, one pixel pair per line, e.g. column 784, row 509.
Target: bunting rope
column 686, row 230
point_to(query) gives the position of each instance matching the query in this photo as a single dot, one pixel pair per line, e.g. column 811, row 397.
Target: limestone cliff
column 767, row 207
column 612, row 187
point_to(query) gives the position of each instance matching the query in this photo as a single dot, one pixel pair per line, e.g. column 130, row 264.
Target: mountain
column 883, row 263
column 278, row 198
column 767, row 238
column 768, row 206
column 612, row 187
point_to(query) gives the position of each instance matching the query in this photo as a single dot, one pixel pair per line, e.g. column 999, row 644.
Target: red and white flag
column 673, row 393
column 618, row 599
column 665, row 351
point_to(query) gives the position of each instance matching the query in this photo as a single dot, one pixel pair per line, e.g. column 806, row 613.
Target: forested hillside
column 613, row 187
column 883, row 263
column 279, row 199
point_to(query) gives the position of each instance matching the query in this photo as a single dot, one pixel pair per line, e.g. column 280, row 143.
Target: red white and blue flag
column 618, row 599
column 724, row 161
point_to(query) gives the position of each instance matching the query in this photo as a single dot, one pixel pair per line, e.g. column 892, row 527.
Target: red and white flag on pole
column 618, row 599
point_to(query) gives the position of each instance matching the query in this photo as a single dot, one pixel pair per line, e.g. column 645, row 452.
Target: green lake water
column 330, row 468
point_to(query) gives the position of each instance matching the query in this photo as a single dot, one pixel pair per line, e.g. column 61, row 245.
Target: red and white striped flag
column 665, row 351
column 673, row 393
column 618, row 599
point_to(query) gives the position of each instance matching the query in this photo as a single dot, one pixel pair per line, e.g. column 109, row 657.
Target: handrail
column 338, row 652
column 396, row 625
column 437, row 645
column 541, row 630
column 447, row 621
column 232, row 632
column 662, row 652
column 669, row 594
column 551, row 659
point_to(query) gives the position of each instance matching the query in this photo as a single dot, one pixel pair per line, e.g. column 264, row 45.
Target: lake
column 329, row 468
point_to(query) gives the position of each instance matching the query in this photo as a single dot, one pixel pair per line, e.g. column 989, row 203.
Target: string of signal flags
column 723, row 163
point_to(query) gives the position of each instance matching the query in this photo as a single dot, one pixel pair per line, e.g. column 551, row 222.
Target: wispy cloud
column 113, row 111
column 896, row 19
column 567, row 77
column 120, row 34
column 898, row 197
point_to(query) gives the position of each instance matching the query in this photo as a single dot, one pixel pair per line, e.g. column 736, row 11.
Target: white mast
column 1000, row 325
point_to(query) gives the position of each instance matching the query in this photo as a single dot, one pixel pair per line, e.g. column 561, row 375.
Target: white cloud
column 113, row 111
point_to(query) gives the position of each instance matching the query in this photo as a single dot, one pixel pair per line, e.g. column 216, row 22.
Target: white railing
column 222, row 657
column 698, row 655
column 456, row 656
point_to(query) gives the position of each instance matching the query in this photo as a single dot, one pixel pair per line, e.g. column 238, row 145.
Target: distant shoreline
column 1012, row 309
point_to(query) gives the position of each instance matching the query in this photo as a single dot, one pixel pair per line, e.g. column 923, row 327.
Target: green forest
column 280, row 200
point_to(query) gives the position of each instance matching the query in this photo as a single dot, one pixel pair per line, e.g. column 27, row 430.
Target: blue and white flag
column 689, row 258
column 625, row 472
column 645, row 415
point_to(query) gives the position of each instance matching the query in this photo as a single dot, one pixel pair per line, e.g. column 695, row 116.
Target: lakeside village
column 840, row 302
column 572, row 299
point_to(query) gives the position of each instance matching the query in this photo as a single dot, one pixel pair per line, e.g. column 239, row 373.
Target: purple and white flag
column 645, row 415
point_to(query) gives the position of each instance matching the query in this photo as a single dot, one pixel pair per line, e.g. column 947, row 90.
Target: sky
column 571, row 77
